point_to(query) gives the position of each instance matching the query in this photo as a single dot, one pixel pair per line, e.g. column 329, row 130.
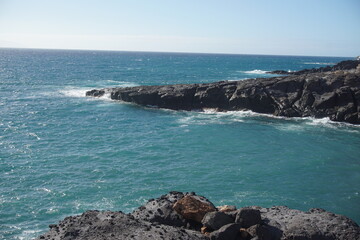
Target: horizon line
column 174, row 52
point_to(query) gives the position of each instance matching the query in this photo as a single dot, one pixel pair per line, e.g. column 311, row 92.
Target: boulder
column 215, row 220
column 193, row 207
column 228, row 232
column 248, row 217
column 264, row 232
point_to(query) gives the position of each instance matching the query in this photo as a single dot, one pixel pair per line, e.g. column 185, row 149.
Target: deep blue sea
column 62, row 153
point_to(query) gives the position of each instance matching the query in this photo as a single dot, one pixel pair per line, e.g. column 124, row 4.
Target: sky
column 276, row 27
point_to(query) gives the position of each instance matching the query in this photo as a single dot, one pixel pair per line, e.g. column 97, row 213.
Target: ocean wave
column 115, row 83
column 319, row 63
column 235, row 80
column 211, row 116
column 74, row 92
column 256, row 71
column 79, row 92
column 28, row 234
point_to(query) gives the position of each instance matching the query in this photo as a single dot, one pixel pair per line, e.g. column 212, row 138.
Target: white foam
column 34, row 135
column 29, row 234
column 44, row 189
column 235, row 80
column 74, row 92
column 256, row 71
column 52, row 210
column 319, row 63
column 326, row 122
column 79, row 92
column 211, row 116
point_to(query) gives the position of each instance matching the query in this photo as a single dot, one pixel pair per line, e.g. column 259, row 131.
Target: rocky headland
column 178, row 215
column 332, row 92
column 344, row 65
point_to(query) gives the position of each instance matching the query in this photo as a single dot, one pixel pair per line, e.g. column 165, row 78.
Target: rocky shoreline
column 344, row 65
column 332, row 92
column 178, row 215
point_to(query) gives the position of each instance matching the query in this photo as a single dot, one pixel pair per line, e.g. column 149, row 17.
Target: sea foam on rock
column 159, row 219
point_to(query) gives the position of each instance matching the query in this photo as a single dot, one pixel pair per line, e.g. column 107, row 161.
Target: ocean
column 62, row 153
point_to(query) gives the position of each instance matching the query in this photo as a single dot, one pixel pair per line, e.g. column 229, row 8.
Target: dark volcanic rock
column 314, row 224
column 335, row 95
column 175, row 209
column 228, row 232
column 160, row 210
column 95, row 225
column 278, row 223
column 344, row 65
column 215, row 220
column 248, row 217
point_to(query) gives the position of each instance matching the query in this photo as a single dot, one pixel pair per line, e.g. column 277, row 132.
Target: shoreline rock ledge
column 178, row 215
column 334, row 94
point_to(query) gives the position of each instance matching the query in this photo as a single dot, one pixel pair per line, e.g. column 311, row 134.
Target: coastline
column 332, row 92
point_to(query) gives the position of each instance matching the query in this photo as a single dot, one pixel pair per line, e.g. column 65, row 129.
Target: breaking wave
column 256, row 71
column 211, row 116
column 78, row 92
column 319, row 63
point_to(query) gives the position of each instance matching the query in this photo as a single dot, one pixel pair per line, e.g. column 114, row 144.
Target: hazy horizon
column 170, row 52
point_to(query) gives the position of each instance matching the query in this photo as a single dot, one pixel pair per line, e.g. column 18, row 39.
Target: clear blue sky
column 284, row 27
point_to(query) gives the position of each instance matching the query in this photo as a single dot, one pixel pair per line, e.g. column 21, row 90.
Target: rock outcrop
column 159, row 219
column 334, row 94
column 344, row 65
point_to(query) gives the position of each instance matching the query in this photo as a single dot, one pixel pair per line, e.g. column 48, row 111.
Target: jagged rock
column 160, row 210
column 334, row 94
column 278, row 223
column 193, row 207
column 96, row 225
column 228, row 232
column 95, row 93
column 248, row 217
column 215, row 220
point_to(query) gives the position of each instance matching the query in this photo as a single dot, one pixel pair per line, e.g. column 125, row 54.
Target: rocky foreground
column 179, row 215
column 334, row 93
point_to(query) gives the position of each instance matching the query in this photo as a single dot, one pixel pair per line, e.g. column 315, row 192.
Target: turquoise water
column 62, row 153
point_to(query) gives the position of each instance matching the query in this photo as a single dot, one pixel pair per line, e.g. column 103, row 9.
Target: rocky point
column 178, row 215
column 334, row 94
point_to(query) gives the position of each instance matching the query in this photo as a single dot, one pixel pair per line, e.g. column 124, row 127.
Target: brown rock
column 193, row 207
column 204, row 230
column 226, row 208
